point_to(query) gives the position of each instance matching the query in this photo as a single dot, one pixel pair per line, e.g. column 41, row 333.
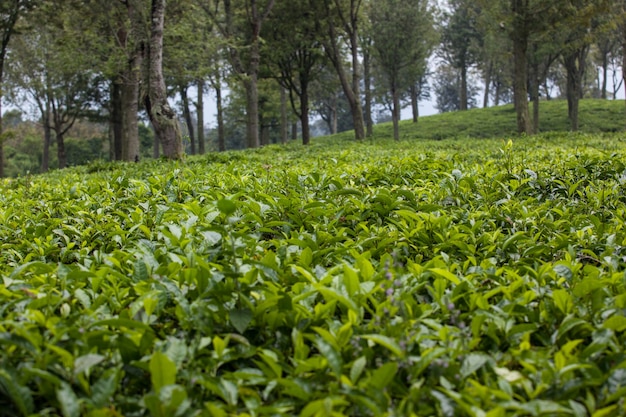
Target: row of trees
column 113, row 61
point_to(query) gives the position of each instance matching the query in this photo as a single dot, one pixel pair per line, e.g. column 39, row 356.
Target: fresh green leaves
column 422, row 278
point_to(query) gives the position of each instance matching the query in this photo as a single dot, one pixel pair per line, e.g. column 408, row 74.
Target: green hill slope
column 596, row 116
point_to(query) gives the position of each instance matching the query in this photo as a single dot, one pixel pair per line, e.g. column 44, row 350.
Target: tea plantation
column 465, row 277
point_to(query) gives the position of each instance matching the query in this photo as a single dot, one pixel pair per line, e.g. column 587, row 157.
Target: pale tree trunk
column 161, row 115
column 187, row 117
column 200, row 112
column 284, row 135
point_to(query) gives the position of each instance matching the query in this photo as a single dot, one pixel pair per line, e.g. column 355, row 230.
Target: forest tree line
column 110, row 68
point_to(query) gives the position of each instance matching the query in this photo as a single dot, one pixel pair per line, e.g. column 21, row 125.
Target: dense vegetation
column 89, row 142
column 460, row 277
column 275, row 66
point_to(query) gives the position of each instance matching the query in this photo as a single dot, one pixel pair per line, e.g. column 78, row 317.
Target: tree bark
column 463, row 95
column 200, row 112
column 575, row 65
column 395, row 113
column 131, row 78
column 294, row 130
column 351, row 88
column 367, row 79
column 304, row 113
column 252, row 111
column 116, row 121
column 415, row 110
column 520, row 36
column 221, row 132
column 61, row 155
column 623, row 40
column 161, row 115
column 187, row 116
column 487, row 84
column 47, row 138
column 1, row 131
column 284, row 135
column 130, row 107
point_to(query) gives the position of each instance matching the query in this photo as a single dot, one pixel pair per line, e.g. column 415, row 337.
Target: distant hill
column 596, row 116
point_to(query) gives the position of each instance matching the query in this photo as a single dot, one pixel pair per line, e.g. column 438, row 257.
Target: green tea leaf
column 70, row 405
column 386, row 342
column 383, row 376
column 226, row 206
column 240, row 319
column 162, row 371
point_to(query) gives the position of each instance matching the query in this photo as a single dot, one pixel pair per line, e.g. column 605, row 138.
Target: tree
column 460, row 40
column 10, row 11
column 401, row 37
column 293, row 47
column 447, row 90
column 578, row 20
column 61, row 84
column 240, row 23
column 343, row 18
column 519, row 20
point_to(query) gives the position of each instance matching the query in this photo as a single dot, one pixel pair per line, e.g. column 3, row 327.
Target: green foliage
column 455, row 278
column 595, row 116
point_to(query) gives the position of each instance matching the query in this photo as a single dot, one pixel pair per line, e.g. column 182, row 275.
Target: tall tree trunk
column 265, row 134
column 487, row 81
column 463, row 92
column 395, row 113
column 187, row 115
column 221, row 132
column 334, row 116
column 156, row 146
column 60, row 140
column 304, row 112
column 200, row 112
column 534, row 91
column 294, row 130
column 161, row 115
column 284, row 135
column 520, row 36
column 575, row 65
column 367, row 79
column 605, row 75
column 415, row 110
column 47, row 137
column 1, row 131
column 351, row 88
column 116, row 121
column 252, row 111
column 130, row 107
